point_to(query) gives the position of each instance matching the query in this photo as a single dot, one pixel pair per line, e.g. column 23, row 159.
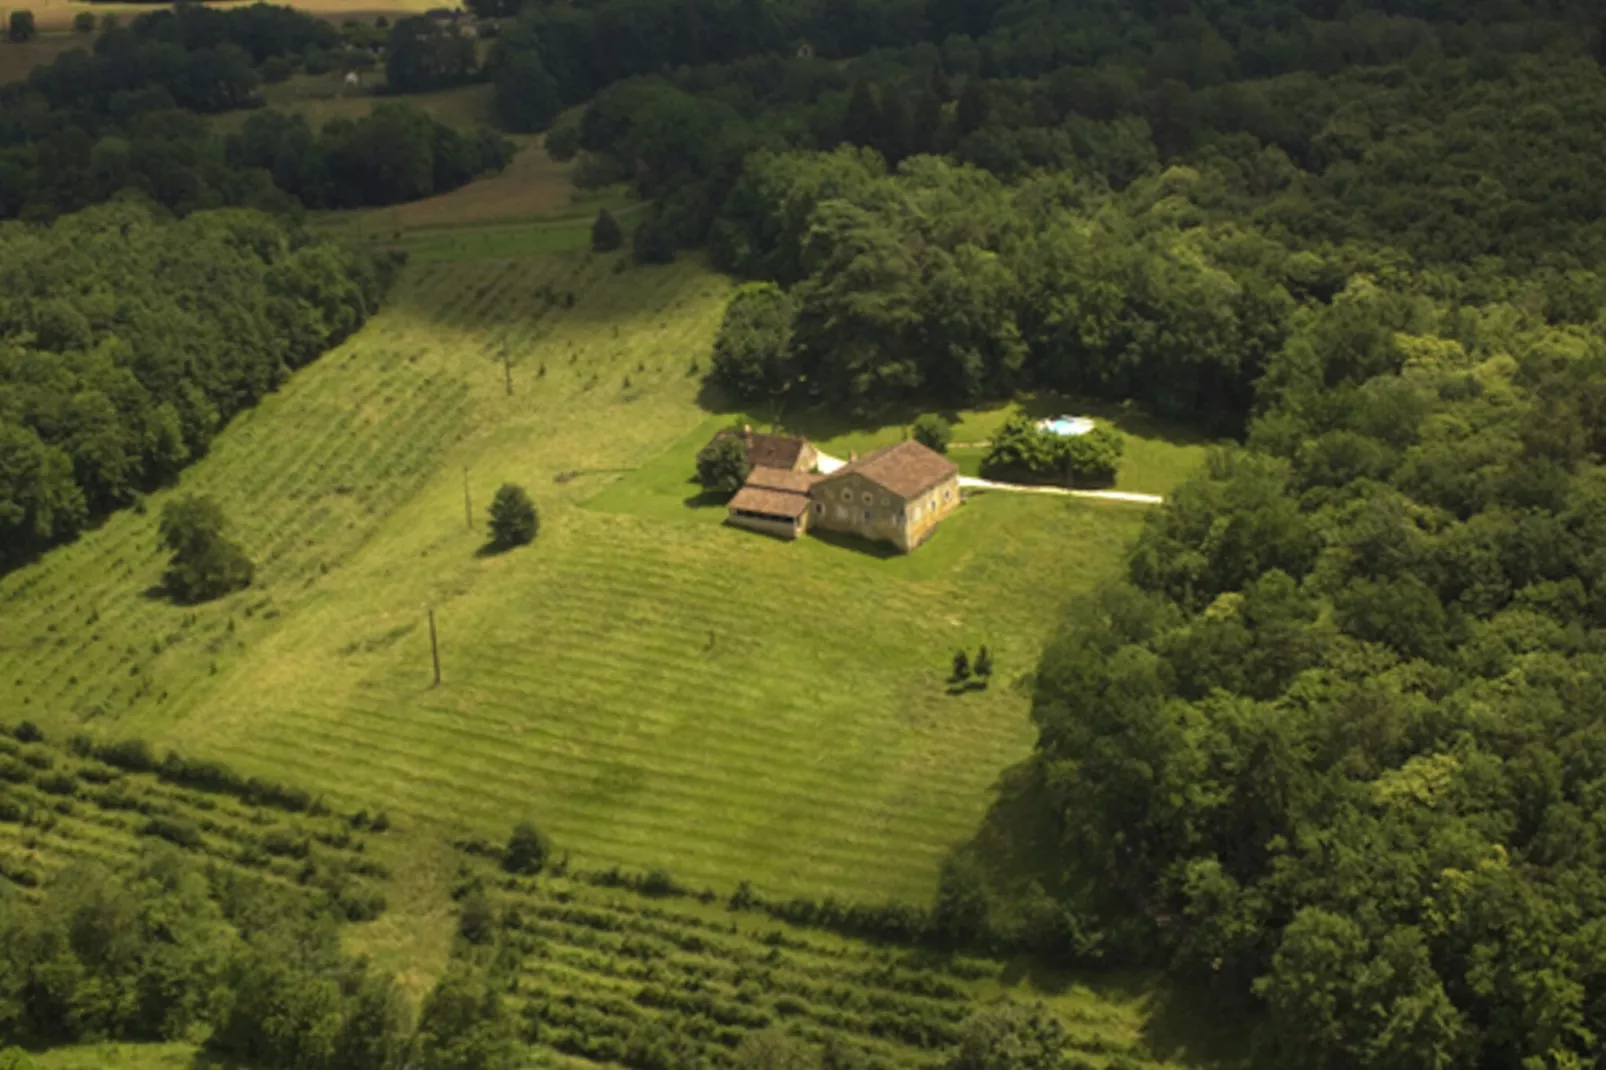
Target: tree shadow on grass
column 815, row 420
column 1016, row 845
column 965, row 687
column 1187, row 1026
column 705, row 498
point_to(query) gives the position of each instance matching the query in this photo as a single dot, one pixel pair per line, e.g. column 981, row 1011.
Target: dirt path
column 828, row 464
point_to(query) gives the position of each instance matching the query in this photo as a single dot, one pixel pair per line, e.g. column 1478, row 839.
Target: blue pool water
column 1066, row 426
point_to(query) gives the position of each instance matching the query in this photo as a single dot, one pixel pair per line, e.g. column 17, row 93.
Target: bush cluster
column 1022, row 452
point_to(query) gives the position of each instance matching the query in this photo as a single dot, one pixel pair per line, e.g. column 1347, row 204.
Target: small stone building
column 775, row 451
column 898, row 494
column 774, row 501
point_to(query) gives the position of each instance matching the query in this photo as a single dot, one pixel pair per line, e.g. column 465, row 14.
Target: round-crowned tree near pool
column 513, row 518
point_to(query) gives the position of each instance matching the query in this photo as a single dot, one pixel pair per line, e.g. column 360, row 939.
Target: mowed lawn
column 647, row 685
column 1156, row 456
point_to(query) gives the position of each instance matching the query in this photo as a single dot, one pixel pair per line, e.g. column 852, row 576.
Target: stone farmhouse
column 898, row 494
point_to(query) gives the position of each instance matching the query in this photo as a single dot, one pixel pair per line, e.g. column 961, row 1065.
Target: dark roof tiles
column 752, row 499
column 907, row 469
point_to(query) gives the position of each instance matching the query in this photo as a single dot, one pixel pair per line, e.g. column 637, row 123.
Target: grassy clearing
column 651, row 687
column 569, row 232
column 582, row 686
column 1158, row 455
column 320, row 98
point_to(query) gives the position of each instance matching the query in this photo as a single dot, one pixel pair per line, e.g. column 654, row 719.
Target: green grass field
column 119, row 1057
column 1157, row 456
column 651, row 687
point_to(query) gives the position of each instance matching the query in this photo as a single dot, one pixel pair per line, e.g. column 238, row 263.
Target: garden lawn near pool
column 1157, row 456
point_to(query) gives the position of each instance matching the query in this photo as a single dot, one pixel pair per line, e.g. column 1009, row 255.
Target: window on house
column 947, row 495
column 847, row 495
column 867, row 516
column 819, row 508
column 868, row 497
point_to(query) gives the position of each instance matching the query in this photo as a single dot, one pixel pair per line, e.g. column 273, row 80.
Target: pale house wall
column 856, row 506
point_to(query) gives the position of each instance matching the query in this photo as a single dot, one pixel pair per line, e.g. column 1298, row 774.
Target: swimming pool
column 1066, row 426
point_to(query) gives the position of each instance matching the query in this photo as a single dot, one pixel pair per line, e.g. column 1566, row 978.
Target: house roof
column 783, row 479
column 770, row 451
column 752, row 499
column 906, row 469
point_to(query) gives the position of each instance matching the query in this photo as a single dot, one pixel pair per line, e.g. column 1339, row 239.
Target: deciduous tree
column 205, row 563
column 932, row 432
column 722, row 464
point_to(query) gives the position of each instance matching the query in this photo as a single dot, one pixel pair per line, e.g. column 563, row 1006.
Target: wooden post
column 434, row 647
column 507, row 371
column 468, row 505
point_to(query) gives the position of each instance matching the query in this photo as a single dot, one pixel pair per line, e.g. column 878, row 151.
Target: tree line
column 127, row 342
column 942, row 282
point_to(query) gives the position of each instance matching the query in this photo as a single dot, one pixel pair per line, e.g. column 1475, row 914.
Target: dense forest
column 129, row 115
column 1335, row 750
column 127, row 342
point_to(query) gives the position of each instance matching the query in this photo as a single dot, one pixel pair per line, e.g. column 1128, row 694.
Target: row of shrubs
column 136, row 756
column 339, row 881
column 627, row 945
column 529, row 851
column 650, row 941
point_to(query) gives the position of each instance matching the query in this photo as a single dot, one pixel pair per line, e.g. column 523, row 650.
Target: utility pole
column 507, row 370
column 434, row 647
column 468, row 505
